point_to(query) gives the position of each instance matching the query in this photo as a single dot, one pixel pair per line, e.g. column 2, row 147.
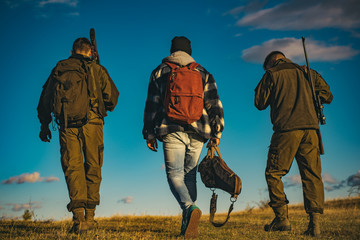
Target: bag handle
column 213, row 211
column 211, row 151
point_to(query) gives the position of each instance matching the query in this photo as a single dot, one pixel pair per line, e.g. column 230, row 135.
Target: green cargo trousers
column 83, row 174
column 304, row 146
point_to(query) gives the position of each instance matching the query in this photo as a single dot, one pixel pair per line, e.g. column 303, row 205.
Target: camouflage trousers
column 81, row 159
column 303, row 145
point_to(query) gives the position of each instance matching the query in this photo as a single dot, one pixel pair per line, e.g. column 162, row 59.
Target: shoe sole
column 192, row 228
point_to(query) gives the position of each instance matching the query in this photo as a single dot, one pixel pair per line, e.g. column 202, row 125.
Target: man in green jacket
column 81, row 142
column 286, row 89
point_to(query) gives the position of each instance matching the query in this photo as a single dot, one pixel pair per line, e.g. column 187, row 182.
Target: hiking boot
column 280, row 222
column 79, row 223
column 89, row 218
column 190, row 224
column 314, row 225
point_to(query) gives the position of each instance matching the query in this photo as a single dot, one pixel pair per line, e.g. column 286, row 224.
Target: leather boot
column 314, row 225
column 89, row 218
column 280, row 222
column 79, row 223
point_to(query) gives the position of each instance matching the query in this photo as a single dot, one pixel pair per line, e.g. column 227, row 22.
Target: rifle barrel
column 316, row 98
column 94, row 50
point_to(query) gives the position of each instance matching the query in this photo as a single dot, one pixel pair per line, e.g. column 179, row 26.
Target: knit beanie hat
column 180, row 44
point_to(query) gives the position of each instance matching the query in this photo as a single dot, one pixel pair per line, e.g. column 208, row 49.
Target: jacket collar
column 283, row 60
column 180, row 58
column 80, row 57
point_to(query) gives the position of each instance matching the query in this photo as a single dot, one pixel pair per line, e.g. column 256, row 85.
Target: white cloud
column 47, row 8
column 300, row 15
column 330, row 182
column 71, row 3
column 75, row 14
column 327, row 178
column 354, row 180
column 50, row 179
column 40, row 3
column 11, row 4
column 30, row 178
column 292, row 181
column 292, row 48
column 127, row 200
column 16, row 207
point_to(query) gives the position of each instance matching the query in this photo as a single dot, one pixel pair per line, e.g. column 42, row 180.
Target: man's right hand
column 45, row 133
column 152, row 144
column 213, row 141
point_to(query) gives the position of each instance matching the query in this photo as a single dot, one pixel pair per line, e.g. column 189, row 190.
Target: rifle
column 317, row 102
column 94, row 52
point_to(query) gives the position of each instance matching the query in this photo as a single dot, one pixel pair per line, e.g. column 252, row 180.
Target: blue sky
column 229, row 38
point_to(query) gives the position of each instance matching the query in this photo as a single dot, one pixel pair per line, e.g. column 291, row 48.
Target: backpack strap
column 172, row 65
column 213, row 211
column 191, row 66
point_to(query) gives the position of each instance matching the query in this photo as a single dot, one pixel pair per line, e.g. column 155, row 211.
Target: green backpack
column 71, row 98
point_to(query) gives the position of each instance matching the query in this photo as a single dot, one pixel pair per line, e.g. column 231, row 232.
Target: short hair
column 81, row 45
column 270, row 56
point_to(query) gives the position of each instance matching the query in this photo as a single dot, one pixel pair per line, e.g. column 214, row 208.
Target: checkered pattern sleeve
column 213, row 106
column 152, row 105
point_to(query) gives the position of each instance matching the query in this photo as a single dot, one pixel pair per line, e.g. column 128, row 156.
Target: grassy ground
column 340, row 221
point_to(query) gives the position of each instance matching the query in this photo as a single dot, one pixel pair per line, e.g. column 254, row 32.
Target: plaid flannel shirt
column 156, row 123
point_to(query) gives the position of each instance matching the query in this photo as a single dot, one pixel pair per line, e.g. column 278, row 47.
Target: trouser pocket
column 101, row 154
column 273, row 159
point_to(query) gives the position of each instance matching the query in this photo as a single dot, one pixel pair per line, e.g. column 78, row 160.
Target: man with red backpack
column 183, row 110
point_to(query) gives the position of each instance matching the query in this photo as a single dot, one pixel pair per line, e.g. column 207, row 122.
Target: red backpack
column 184, row 93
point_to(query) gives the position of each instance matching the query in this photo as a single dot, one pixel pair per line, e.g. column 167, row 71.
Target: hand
column 152, row 144
column 45, row 133
column 304, row 68
column 215, row 141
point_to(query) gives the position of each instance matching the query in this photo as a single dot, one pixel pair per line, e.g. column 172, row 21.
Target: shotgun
column 317, row 102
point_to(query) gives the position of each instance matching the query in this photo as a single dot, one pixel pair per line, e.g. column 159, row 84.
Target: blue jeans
column 182, row 151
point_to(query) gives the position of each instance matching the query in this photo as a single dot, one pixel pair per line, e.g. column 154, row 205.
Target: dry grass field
column 341, row 220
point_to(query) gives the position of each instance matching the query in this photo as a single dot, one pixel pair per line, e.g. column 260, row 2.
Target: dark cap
column 180, row 44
